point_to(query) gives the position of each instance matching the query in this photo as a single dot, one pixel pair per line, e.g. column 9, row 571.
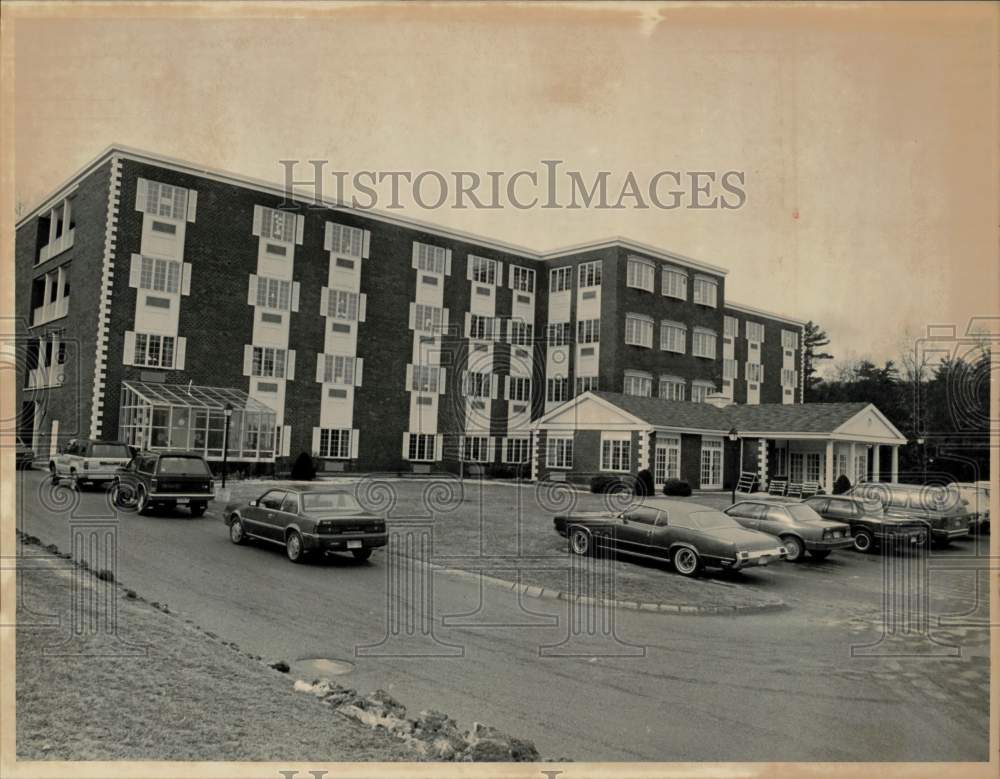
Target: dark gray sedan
column 798, row 527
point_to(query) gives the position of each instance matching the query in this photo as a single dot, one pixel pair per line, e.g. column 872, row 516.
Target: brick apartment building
column 370, row 341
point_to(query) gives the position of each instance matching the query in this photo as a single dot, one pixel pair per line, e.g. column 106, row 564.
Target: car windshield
column 193, row 466
column 109, row 450
column 713, row 520
column 329, row 503
column 802, row 513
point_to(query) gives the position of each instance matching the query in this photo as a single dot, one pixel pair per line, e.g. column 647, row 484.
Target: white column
column 852, row 472
column 876, row 470
column 895, row 464
column 828, row 486
column 52, row 227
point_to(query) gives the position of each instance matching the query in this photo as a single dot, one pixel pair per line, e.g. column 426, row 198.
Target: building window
column 639, row 384
column 432, row 259
column 589, row 274
column 675, row 283
column 426, row 378
column 789, row 377
column 481, row 328
column 732, row 327
column 277, row 225
column 667, row 460
column 860, row 467
column 521, row 332
column 729, row 368
column 421, row 447
column 789, row 339
column 616, row 454
column 587, row 384
column 795, row 468
column 476, row 449
column 160, row 275
column 335, row 444
column 338, row 369
column 812, row 466
column 557, row 389
column 711, row 462
column 483, row 270
column 342, row 304
column 166, row 200
column 703, row 343
column 755, row 372
column 706, row 291
column 672, row 388
column 516, row 450
column 522, row 279
column 267, row 361
column 274, row 293
column 346, row 240
column 588, row 331
column 154, row 351
column 780, row 462
column 427, row 318
column 755, row 332
column 639, row 330
column 560, row 279
column 477, row 385
column 700, row 390
column 559, row 451
column 520, row 388
column 557, row 333
column 641, row 274
column 673, row 337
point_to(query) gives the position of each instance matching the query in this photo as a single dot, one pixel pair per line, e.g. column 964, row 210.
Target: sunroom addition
column 192, row 418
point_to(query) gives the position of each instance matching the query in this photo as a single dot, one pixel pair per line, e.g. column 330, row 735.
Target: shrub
column 304, row 469
column 842, row 485
column 677, row 488
column 644, row 486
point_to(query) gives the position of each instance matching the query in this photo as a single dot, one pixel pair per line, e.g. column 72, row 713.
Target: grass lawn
column 187, row 698
column 505, row 529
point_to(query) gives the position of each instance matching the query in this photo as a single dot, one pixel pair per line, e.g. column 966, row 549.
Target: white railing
column 50, row 311
column 58, row 246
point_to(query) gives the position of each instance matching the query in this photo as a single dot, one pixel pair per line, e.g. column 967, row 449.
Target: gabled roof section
column 589, row 411
column 794, row 417
column 678, row 414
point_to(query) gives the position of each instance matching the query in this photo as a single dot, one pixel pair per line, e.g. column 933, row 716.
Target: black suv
column 164, row 480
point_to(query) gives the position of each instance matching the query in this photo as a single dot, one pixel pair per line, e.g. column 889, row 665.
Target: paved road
column 772, row 687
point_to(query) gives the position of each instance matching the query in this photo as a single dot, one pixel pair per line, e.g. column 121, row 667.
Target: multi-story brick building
column 371, row 341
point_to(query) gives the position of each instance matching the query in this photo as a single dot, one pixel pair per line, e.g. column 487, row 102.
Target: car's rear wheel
column 361, row 554
column 864, row 541
column 579, row 541
column 236, row 531
column 293, row 547
column 198, row 508
column 123, row 495
column 686, row 561
column 793, row 547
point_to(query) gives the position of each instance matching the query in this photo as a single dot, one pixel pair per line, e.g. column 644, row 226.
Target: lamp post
column 734, row 436
column 228, row 411
column 923, row 459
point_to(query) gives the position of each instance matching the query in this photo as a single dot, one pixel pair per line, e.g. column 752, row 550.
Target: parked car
column 870, row 525
column 691, row 536
column 85, row 461
column 941, row 510
column 24, row 455
column 800, row 528
column 154, row 480
column 307, row 520
column 977, row 499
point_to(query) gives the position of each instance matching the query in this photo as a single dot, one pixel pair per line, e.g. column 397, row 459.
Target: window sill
column 50, row 313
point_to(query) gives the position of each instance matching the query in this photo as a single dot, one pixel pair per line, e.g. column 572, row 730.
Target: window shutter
column 415, row 255
column 492, row 453
column 438, row 446
column 252, row 293
column 354, row 443
column 247, row 359
column 494, row 386
column 192, row 204
column 328, row 236
column 324, row 301
column 359, row 365
column 295, row 296
column 140, row 194
column 468, row 324
column 409, row 377
column 470, row 263
column 315, row 442
column 510, row 276
column 258, row 218
column 135, row 270
column 413, row 316
column 128, row 353
column 362, row 306
column 447, row 264
column 444, row 319
column 286, row 440
column 365, row 244
column 300, row 227
column 441, row 380
column 406, row 446
column 186, row 278
column 320, row 368
column 179, row 351
column 290, row 365
column 506, row 387
column 499, row 276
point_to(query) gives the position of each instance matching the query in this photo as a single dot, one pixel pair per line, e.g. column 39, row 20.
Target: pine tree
column 814, row 338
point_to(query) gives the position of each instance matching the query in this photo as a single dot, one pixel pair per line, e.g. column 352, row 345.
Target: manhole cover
column 319, row 667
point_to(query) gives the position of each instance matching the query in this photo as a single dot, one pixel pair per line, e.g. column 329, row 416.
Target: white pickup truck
column 83, row 461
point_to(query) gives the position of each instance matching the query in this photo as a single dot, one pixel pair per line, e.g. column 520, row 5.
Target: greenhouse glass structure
column 178, row 416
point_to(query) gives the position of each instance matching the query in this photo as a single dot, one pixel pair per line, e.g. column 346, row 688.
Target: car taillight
column 152, row 483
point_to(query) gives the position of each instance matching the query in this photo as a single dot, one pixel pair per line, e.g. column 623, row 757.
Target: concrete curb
column 535, row 591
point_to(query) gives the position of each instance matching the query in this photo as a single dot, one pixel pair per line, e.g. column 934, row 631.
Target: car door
column 774, row 520
column 289, row 513
column 747, row 514
column 635, row 531
column 269, row 522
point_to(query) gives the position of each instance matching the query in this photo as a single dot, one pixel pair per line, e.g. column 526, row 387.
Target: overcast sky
column 866, row 141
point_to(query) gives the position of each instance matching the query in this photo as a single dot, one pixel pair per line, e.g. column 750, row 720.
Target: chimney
column 718, row 400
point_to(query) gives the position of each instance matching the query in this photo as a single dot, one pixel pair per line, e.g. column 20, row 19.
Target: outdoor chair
column 746, row 482
column 809, row 488
column 777, row 487
column 794, row 489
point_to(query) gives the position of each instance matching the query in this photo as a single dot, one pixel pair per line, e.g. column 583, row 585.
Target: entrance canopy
column 181, row 416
